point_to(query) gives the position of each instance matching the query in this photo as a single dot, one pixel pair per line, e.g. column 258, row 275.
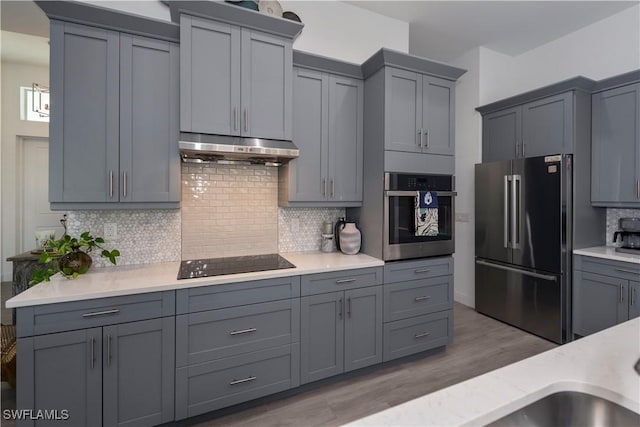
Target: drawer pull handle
column 422, row 270
column 633, row 296
column 244, row 380
column 422, row 298
column 341, row 281
column 622, row 270
column 109, row 350
column 244, row 331
column 422, row 335
column 92, row 356
column 102, row 313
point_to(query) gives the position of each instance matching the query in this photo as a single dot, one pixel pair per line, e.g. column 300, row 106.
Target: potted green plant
column 69, row 256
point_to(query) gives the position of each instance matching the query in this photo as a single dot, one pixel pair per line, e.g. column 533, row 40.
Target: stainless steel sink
column 571, row 408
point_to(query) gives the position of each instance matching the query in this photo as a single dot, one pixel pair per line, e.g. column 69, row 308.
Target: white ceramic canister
column 327, row 242
column 350, row 239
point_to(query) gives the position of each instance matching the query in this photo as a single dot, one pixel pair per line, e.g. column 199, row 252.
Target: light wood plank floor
column 480, row 345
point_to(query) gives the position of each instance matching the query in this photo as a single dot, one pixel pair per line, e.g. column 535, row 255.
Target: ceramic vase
column 350, row 239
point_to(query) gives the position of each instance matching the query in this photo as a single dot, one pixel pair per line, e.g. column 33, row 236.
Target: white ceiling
column 440, row 30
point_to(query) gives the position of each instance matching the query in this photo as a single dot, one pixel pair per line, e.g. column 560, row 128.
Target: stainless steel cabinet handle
column 324, row 187
column 422, row 298
column 124, row 186
column 516, row 153
column 244, row 380
column 427, row 134
column 622, row 293
column 633, row 296
column 507, row 180
column 523, row 154
column 333, row 187
column 422, row 270
column 341, row 281
column 92, row 355
column 422, row 335
column 109, row 350
column 244, row 331
column 235, row 118
column 622, row 270
column 101, row 313
column 340, row 308
column 420, row 138
column 638, row 188
column 246, row 120
column 349, row 306
column 111, row 183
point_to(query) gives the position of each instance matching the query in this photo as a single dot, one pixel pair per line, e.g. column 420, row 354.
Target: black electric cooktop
column 192, row 269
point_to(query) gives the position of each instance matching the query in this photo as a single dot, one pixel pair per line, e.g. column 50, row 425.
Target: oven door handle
column 394, row 193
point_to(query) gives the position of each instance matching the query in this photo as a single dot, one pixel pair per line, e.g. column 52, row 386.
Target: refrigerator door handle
column 516, row 205
column 517, row 270
column 506, row 219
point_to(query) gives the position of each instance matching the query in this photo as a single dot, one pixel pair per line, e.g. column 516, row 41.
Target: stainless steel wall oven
column 400, row 240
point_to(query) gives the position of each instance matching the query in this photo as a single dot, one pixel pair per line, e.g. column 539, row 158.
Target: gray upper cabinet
column 419, row 113
column 114, row 98
column 615, row 178
column 501, row 131
column 547, row 126
column 328, row 130
column 235, row 81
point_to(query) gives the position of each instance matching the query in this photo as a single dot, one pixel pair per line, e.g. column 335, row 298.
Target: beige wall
column 13, row 76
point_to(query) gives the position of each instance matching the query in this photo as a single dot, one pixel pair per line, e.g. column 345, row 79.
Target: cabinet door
column 402, row 110
column 321, row 336
column 547, row 126
column 599, row 302
column 149, row 158
column 363, row 327
column 616, row 146
column 138, row 367
column 307, row 175
column 83, row 150
column 346, row 97
column 267, row 68
column 210, row 76
column 634, row 300
column 501, row 132
column 62, row 371
column 438, row 112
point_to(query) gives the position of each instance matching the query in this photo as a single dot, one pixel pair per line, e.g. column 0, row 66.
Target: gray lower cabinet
column 236, row 342
column 537, row 128
column 114, row 375
column 236, row 81
column 615, row 179
column 341, row 330
column 605, row 293
column 328, row 130
column 116, row 102
column 418, row 306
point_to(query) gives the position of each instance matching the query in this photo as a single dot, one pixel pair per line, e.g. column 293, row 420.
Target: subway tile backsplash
column 613, row 215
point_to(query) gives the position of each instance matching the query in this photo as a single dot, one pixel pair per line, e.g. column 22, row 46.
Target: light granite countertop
column 138, row 279
column 600, row 364
column 608, row 252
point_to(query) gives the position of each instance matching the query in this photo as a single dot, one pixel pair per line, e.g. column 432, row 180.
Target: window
column 34, row 103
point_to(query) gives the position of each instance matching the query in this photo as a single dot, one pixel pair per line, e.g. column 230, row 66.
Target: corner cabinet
column 235, row 81
column 615, row 179
column 114, row 122
column 605, row 293
column 113, row 373
column 328, row 130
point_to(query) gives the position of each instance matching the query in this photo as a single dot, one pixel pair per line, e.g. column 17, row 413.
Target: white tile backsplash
column 309, row 223
column 613, row 215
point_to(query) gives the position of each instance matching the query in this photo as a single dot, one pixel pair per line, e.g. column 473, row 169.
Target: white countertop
column 138, row 279
column 600, row 364
column 608, row 252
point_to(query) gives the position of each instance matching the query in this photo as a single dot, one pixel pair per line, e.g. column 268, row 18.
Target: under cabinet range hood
column 205, row 148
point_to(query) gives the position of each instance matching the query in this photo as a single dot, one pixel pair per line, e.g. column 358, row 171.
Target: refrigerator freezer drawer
column 527, row 300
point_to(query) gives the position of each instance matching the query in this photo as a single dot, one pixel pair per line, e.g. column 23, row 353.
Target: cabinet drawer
column 405, row 337
column 214, row 385
column 216, row 334
column 236, row 294
column 403, row 271
column 312, row 284
column 67, row 316
column 619, row 269
column 417, row 297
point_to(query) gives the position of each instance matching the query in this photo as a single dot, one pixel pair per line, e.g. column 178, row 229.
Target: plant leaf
column 67, row 271
column 115, row 252
column 85, row 235
column 105, row 253
column 74, row 275
column 83, row 269
column 99, row 240
column 44, row 258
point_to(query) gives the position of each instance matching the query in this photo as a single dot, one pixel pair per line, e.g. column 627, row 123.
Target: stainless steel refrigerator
column 523, row 243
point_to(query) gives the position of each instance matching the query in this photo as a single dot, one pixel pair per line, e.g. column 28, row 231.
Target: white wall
column 13, row 76
column 603, row 49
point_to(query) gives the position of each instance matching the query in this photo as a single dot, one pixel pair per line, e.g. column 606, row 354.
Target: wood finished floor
column 480, row 345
